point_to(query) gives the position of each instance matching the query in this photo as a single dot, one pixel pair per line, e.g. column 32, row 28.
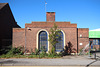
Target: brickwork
column 72, row 34
column 50, row 16
column 31, row 37
column 83, row 37
column 18, row 37
column 49, row 25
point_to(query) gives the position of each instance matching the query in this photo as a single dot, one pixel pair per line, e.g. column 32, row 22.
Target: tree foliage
column 54, row 34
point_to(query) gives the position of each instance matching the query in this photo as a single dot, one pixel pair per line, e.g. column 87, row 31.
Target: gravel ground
column 64, row 61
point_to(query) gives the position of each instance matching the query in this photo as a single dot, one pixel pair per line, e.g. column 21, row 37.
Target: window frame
column 40, row 42
column 58, row 50
column 96, row 43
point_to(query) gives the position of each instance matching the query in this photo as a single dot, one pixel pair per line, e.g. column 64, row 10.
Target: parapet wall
column 50, row 24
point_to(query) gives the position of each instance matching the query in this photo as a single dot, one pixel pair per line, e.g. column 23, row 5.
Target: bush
column 55, row 55
column 43, row 54
column 32, row 53
column 5, row 50
column 16, row 51
column 36, row 51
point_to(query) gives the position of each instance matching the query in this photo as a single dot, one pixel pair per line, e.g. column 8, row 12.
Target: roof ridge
column 2, row 5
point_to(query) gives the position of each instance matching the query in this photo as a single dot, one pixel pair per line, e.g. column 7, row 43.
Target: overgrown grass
column 19, row 53
column 29, row 56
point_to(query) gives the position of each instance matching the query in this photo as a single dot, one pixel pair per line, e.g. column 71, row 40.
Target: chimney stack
column 50, row 16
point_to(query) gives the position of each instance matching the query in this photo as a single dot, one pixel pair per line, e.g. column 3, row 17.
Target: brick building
column 7, row 22
column 35, row 35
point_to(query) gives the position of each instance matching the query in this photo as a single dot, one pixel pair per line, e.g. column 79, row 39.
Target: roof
column 96, row 29
column 2, row 5
column 94, row 33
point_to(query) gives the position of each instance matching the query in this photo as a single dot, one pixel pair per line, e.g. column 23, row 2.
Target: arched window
column 60, row 44
column 43, row 41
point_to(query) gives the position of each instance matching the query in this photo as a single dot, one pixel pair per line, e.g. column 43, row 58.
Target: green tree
column 54, row 34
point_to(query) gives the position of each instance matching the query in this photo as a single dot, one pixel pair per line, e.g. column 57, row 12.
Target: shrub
column 32, row 53
column 36, row 51
column 55, row 55
column 5, row 50
column 14, row 51
column 43, row 54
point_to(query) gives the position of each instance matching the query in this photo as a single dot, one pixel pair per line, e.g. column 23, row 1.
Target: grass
column 28, row 56
column 19, row 53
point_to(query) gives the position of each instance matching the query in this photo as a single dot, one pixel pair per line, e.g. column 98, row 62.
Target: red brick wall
column 50, row 16
column 18, row 37
column 70, row 31
column 72, row 34
column 49, row 25
column 31, row 35
column 84, row 39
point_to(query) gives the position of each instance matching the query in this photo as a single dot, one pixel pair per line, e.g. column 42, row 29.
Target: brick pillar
column 50, row 16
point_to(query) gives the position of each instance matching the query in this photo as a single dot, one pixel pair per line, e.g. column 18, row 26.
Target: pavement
column 70, row 61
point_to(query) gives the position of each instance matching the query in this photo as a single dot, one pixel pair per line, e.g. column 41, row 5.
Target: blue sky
column 86, row 13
